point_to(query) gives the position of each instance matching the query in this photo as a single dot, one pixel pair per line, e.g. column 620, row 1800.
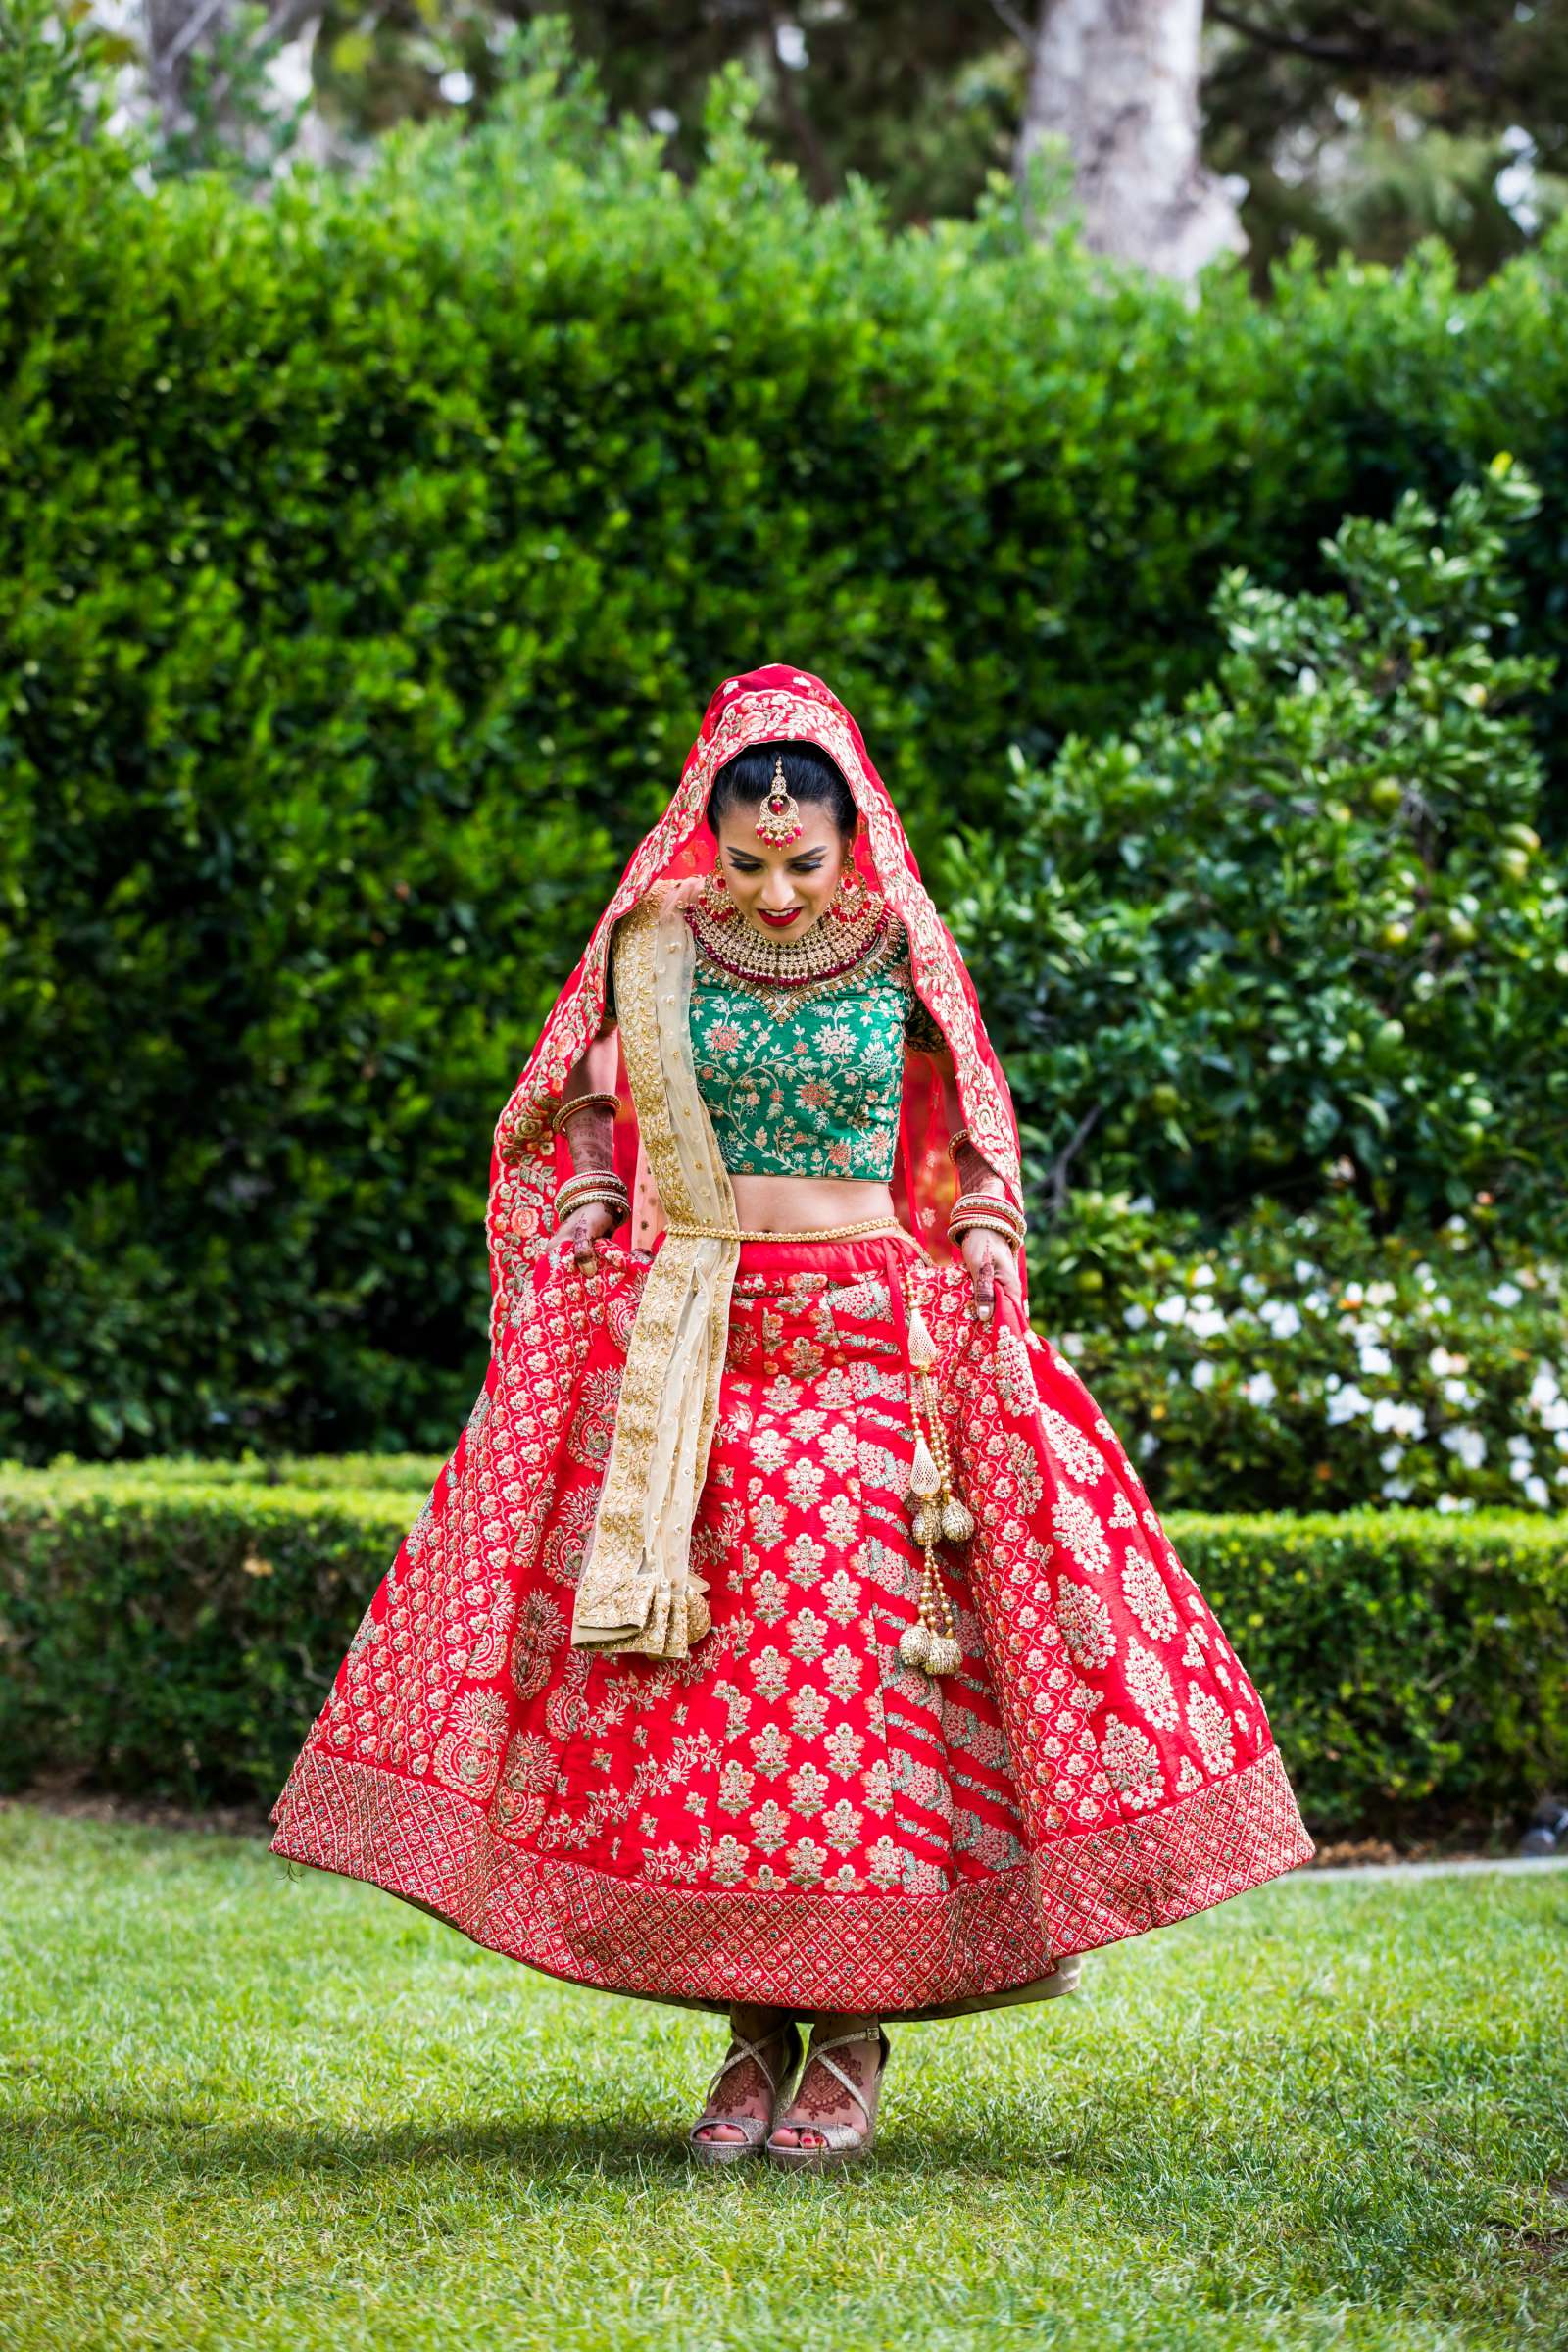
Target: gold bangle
column 593, row 1180
column 953, row 1141
column 989, row 1204
column 607, row 1189
column 993, row 1225
column 564, row 1216
column 803, row 1233
column 566, row 1111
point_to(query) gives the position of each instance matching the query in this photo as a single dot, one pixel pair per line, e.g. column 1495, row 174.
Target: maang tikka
column 780, row 820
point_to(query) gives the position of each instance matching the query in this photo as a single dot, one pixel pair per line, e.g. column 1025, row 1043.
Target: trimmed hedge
column 168, row 1635
column 367, row 557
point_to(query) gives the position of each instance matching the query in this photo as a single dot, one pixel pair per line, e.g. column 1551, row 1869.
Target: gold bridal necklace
column 786, row 972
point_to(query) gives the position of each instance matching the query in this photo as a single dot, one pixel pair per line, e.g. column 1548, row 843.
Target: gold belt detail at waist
column 801, row 1233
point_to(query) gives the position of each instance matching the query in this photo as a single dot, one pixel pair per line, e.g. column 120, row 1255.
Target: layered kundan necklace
column 854, row 941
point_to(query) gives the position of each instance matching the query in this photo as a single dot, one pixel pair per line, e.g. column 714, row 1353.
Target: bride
column 788, row 1634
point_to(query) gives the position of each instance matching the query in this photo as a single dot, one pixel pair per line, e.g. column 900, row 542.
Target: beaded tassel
column 932, row 1642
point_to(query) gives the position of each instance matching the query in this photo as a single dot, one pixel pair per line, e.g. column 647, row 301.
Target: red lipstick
column 777, row 922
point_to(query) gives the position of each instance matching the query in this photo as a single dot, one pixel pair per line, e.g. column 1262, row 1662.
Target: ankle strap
column 817, row 2055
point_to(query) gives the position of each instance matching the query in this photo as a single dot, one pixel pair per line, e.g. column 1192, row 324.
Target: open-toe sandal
column 756, row 2128
column 841, row 2143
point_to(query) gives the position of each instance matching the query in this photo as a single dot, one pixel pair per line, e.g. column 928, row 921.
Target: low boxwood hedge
column 170, row 1632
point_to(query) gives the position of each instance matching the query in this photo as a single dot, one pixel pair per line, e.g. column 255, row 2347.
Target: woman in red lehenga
column 788, row 1634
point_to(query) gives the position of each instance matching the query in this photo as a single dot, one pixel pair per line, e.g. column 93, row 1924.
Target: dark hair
column 743, row 782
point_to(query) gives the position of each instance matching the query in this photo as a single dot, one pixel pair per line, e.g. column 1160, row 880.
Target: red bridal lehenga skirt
column 790, row 1815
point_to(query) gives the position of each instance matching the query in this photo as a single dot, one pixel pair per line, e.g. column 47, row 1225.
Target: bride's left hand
column 993, row 1267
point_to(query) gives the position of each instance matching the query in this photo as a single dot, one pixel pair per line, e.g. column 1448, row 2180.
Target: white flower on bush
column 1439, row 1362
column 1202, row 1277
column 1281, row 1317
column 1251, row 1286
column 1260, row 1390
column 1506, row 1294
column 1316, row 1301
column 1381, row 1294
column 1202, row 1375
column 1468, row 1444
column 1459, row 1392
column 1539, row 1493
column 1204, row 1322
column 1304, row 1269
column 1134, row 1317
column 1519, row 1445
column 1455, row 1502
column 1391, row 1458
column 1374, row 1361
column 1171, row 1310
column 1397, row 1489
column 1404, row 1420
column 1346, row 1401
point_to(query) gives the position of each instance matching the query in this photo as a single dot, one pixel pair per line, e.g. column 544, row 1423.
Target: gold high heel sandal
column 754, row 2128
column 842, row 2142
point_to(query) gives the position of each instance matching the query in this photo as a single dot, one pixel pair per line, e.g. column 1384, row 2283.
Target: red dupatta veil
column 774, row 704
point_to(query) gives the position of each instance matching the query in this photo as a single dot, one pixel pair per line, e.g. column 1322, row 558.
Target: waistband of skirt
column 862, row 1255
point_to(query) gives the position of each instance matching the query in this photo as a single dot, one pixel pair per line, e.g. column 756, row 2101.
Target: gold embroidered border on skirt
column 985, row 1944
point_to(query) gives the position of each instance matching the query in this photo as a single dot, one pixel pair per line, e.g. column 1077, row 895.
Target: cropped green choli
column 816, row 1092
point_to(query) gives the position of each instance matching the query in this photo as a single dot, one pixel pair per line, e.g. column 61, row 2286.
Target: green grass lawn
column 241, row 2109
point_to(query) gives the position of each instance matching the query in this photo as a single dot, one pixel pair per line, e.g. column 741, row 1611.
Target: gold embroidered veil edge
column 638, row 1590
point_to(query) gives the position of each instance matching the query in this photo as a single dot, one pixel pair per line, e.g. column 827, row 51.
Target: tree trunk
column 1118, row 80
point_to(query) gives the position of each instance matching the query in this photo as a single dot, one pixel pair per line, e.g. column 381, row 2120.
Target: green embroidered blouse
column 816, row 1092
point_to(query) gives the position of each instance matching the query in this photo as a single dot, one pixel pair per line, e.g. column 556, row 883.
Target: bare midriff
column 798, row 1203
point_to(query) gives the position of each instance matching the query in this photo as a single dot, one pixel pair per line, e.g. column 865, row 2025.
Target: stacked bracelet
column 990, row 1212
column 566, row 1111
column 596, row 1188
column 990, row 1205
column 1007, row 1233
column 954, row 1142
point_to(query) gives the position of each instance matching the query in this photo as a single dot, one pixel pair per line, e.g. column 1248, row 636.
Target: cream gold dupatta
column 638, row 1589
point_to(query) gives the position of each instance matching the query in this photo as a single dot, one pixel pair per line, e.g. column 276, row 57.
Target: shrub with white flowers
column 1307, row 1362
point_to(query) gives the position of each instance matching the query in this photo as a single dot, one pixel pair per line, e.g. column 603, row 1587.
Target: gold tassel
column 924, row 1476
column 922, row 1346
column 927, row 1523
column 942, row 1654
column 958, row 1520
column 914, row 1645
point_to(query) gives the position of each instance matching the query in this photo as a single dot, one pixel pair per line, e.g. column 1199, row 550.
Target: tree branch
column 1017, row 26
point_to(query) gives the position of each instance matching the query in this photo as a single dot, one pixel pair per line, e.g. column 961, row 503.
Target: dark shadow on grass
column 161, row 2146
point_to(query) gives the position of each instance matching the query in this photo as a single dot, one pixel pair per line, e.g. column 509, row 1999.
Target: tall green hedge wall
column 367, row 557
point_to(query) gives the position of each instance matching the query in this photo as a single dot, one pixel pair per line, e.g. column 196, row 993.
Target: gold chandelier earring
column 715, row 898
column 853, row 897
column 780, row 820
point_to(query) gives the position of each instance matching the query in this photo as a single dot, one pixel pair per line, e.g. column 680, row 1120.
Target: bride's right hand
column 593, row 1222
